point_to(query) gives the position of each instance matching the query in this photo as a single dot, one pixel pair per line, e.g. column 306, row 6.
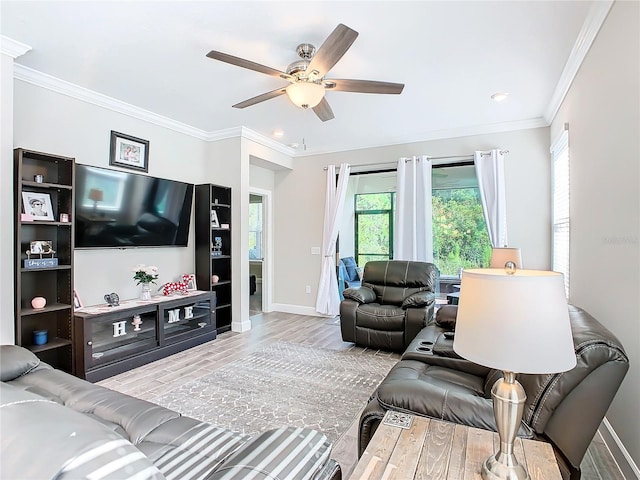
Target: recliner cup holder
column 425, row 349
column 425, row 343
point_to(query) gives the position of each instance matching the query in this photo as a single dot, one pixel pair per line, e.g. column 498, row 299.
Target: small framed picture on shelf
column 38, row 205
column 215, row 223
column 77, row 303
column 190, row 278
column 44, row 247
column 129, row 152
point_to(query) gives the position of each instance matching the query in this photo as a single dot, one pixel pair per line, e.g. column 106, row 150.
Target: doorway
column 259, row 251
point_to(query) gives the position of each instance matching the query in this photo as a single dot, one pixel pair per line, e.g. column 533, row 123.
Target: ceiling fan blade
column 261, row 98
column 323, row 110
column 241, row 62
column 363, row 86
column 332, row 50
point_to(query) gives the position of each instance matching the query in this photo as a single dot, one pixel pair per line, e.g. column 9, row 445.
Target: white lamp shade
column 516, row 323
column 305, row 94
column 502, row 255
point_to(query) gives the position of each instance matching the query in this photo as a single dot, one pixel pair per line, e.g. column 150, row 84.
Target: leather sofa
column 55, row 425
column 564, row 409
column 395, row 301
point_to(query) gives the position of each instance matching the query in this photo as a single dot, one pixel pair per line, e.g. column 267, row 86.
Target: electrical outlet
column 307, row 289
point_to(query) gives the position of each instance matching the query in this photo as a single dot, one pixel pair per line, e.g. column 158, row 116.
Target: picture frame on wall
column 38, row 205
column 129, row 152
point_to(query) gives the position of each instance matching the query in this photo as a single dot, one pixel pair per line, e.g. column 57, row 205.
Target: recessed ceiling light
column 278, row 133
column 500, row 96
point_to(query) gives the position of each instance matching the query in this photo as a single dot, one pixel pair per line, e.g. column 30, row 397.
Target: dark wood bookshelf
column 55, row 284
column 214, row 198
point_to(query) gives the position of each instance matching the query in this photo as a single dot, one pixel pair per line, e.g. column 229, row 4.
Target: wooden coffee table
column 433, row 449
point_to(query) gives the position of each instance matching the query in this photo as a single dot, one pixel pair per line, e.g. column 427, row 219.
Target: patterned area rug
column 284, row 384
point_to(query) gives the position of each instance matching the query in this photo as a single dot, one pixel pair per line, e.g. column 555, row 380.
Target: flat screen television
column 116, row 209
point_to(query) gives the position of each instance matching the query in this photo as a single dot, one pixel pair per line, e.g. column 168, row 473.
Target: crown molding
column 55, row 84
column 13, row 48
column 592, row 24
column 267, row 142
column 438, row 135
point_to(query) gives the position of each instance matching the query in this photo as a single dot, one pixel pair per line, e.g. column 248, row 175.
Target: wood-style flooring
column 150, row 381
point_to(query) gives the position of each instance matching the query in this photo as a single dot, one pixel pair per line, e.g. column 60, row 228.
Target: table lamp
column 96, row 195
column 501, row 255
column 516, row 321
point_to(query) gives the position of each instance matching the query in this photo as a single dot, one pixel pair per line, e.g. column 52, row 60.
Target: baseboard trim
column 620, row 454
column 241, row 326
column 296, row 309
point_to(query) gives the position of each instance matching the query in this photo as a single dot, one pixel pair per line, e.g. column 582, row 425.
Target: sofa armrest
column 16, row 361
column 446, row 317
column 285, row 452
column 360, row 294
column 419, row 300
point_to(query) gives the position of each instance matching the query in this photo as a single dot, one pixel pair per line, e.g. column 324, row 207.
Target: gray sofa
column 55, row 425
column 564, row 409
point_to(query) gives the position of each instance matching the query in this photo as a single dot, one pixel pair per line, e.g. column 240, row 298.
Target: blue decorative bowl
column 40, row 337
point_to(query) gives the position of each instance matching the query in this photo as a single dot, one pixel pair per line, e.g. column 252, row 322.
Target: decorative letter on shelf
column 174, row 316
column 188, row 312
column 119, row 328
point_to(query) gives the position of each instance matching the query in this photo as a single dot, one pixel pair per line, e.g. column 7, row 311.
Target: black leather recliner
column 396, row 300
column 564, row 409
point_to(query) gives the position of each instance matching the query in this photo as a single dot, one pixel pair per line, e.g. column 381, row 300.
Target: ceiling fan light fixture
column 305, row 94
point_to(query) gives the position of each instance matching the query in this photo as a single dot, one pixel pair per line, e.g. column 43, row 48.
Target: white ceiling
column 451, row 55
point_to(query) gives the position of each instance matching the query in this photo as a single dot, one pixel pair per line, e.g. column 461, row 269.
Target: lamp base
column 508, row 403
column 503, row 466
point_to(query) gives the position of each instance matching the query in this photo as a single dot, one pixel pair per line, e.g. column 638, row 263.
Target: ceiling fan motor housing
column 305, row 51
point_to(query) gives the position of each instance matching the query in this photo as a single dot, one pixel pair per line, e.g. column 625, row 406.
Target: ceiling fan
column 306, row 76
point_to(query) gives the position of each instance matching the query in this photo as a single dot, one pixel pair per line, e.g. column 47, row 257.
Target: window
column 255, row 229
column 460, row 238
column 560, row 213
column 373, row 227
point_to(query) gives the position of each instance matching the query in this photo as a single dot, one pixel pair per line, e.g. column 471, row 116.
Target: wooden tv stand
column 111, row 340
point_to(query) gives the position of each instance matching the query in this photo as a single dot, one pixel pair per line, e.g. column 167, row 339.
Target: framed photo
column 214, row 219
column 38, row 205
column 129, row 152
column 191, row 281
column 77, row 303
column 41, row 246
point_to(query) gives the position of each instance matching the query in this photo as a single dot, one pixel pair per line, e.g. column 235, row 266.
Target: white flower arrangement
column 145, row 274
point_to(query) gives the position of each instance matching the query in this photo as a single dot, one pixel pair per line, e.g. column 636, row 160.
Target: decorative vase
column 38, row 302
column 40, row 337
column 145, row 291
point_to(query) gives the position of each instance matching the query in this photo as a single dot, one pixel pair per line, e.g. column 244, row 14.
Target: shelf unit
column 108, row 343
column 209, row 260
column 54, row 283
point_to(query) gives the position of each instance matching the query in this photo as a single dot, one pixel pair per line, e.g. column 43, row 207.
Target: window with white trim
column 560, row 209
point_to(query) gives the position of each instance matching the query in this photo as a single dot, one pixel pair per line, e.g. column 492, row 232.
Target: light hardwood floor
column 157, row 378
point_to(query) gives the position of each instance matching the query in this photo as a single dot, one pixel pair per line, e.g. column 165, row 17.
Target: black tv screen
column 116, row 209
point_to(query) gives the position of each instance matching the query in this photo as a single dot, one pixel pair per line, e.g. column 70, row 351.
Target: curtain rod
column 470, row 156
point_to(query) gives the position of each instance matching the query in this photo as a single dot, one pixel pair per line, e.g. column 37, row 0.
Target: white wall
column 603, row 112
column 7, row 215
column 300, row 195
column 83, row 132
column 262, row 178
